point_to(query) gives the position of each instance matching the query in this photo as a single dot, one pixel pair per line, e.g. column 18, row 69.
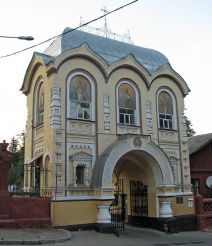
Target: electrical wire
column 47, row 40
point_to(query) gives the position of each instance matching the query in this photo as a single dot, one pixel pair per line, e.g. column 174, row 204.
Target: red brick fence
column 20, row 211
column 203, row 207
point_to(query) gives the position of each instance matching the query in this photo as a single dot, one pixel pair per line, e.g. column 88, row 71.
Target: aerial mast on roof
column 105, row 31
column 105, row 11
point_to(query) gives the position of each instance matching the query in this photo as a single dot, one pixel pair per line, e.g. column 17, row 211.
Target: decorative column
column 87, row 179
column 56, row 107
column 107, row 126
column 165, row 209
column 103, row 215
column 174, row 166
column 149, row 117
column 4, row 173
column 75, row 175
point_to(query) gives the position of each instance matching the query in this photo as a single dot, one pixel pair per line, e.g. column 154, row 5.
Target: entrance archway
column 134, row 186
column 145, row 148
column 134, row 159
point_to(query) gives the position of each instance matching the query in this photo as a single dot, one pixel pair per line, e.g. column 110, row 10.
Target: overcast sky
column 180, row 29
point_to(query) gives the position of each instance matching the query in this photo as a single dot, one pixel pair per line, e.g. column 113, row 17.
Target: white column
column 103, row 215
column 74, row 176
column 86, row 174
column 165, row 209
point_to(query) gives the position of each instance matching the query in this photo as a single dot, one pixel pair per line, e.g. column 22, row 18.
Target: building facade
column 101, row 112
column 200, row 149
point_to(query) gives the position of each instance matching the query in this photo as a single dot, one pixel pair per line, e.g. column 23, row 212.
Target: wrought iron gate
column 118, row 206
column 139, row 202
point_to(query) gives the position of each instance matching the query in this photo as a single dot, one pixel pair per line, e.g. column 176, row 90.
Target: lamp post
column 28, row 38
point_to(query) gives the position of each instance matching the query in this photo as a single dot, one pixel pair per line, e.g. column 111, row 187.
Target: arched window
column 165, row 111
column 80, row 98
column 40, row 104
column 126, row 104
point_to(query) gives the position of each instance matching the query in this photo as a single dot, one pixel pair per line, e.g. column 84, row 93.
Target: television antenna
column 105, row 11
column 105, row 31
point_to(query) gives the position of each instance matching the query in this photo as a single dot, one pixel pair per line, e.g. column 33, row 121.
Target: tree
column 16, row 149
column 190, row 131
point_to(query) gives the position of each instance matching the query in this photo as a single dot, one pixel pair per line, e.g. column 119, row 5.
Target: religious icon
column 126, row 96
column 80, row 89
column 165, row 103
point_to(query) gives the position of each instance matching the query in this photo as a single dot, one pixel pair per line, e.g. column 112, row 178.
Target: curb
column 38, row 241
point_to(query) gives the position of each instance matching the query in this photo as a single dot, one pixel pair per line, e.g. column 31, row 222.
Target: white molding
column 137, row 110
column 174, row 105
column 80, row 198
column 174, row 194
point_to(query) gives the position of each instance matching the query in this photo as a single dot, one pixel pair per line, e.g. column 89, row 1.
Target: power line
column 47, row 40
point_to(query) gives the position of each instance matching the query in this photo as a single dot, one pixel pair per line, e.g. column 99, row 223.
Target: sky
column 180, row 29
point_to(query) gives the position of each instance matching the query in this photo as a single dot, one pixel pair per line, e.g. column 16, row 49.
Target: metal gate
column 139, row 202
column 118, row 206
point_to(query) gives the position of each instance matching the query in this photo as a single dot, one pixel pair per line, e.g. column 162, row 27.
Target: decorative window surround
column 84, row 160
column 92, row 87
column 169, row 120
column 128, row 127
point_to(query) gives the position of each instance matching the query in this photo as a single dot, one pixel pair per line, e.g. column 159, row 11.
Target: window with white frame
column 39, row 104
column 80, row 98
column 165, row 111
column 126, row 104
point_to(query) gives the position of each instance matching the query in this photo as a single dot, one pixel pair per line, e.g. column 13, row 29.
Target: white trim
column 175, row 194
column 80, row 198
column 137, row 110
column 174, row 118
column 80, row 145
column 37, row 87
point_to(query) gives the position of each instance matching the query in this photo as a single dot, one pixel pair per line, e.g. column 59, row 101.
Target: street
column 139, row 236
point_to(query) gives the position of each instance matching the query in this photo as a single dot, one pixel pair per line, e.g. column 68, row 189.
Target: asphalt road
column 137, row 236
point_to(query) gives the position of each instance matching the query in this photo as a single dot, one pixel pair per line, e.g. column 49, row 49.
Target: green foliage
column 16, row 149
column 190, row 131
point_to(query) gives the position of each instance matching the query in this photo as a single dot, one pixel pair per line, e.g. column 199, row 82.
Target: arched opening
column 134, row 186
column 133, row 168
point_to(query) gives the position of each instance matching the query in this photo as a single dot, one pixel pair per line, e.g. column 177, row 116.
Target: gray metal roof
column 110, row 50
column 197, row 142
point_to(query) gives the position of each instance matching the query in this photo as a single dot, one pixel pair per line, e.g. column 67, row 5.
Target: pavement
column 31, row 236
column 131, row 236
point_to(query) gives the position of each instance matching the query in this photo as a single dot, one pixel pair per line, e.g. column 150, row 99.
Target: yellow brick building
column 106, row 123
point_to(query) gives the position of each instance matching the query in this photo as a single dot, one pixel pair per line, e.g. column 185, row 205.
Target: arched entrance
column 138, row 164
column 134, row 188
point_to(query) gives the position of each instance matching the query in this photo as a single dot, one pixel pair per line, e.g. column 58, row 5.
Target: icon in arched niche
column 126, row 96
column 80, row 89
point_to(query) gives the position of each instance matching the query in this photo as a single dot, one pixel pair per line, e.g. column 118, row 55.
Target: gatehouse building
column 106, row 125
